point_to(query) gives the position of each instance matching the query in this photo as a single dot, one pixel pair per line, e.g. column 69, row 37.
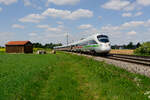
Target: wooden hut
column 19, row 47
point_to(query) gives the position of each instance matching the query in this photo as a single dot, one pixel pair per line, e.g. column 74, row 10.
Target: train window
column 84, row 43
column 102, row 36
column 92, row 42
column 103, row 40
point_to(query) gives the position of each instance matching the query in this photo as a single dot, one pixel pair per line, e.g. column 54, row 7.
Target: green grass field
column 67, row 77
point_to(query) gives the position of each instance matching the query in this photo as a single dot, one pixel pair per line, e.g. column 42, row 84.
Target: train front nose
column 104, row 48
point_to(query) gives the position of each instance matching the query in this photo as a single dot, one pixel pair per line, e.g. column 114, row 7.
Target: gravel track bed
column 134, row 68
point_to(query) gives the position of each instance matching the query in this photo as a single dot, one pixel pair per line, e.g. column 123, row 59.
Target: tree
column 130, row 45
column 37, row 45
column 47, row 45
column 144, row 49
column 138, row 45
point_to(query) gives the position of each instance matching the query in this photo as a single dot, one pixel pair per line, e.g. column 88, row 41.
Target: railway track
column 140, row 60
column 131, row 59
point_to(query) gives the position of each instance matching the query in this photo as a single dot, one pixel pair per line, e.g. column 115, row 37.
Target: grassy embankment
column 67, row 77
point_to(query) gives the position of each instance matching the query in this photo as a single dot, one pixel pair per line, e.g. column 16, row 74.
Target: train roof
column 77, row 42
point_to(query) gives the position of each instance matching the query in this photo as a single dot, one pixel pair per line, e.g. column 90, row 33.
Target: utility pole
column 67, row 38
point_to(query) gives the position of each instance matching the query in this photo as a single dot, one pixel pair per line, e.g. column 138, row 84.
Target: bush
column 2, row 49
column 46, row 49
column 144, row 49
column 36, row 49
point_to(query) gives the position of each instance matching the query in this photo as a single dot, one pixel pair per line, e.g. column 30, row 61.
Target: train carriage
column 93, row 44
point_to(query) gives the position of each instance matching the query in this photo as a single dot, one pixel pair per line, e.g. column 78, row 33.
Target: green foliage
column 2, row 50
column 66, row 77
column 48, row 45
column 128, row 46
column 144, row 49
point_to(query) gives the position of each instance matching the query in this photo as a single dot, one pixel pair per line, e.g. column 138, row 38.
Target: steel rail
column 130, row 58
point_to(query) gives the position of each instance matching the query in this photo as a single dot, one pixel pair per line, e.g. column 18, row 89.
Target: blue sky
column 48, row 21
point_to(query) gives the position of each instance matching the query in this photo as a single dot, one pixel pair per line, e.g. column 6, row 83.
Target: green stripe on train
column 90, row 46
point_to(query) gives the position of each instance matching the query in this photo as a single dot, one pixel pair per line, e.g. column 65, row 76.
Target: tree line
column 128, row 46
column 52, row 45
column 47, row 45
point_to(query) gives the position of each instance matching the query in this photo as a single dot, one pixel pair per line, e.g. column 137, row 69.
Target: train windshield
column 103, row 38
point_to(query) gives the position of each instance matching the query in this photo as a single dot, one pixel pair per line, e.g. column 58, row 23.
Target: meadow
column 65, row 76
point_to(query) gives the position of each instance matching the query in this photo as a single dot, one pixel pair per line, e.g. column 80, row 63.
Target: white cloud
column 18, row 26
column 130, row 7
column 35, row 18
column 55, row 13
column 138, row 14
column 132, row 15
column 8, row 2
column 110, row 28
column 90, row 31
column 126, row 14
column 1, row 9
column 54, row 29
column 66, row 14
column 59, row 28
column 32, row 34
column 49, row 34
column 132, row 33
column 132, row 24
column 85, row 26
column 42, row 26
column 144, row 2
column 115, row 4
column 33, row 4
column 122, row 34
column 100, row 17
column 48, row 37
column 80, row 13
column 27, row 2
column 125, row 5
column 64, row 2
column 147, row 24
column 60, row 23
column 5, row 37
column 125, row 26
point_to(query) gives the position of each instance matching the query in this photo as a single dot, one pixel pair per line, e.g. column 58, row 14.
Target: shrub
column 36, row 49
column 144, row 49
column 2, row 49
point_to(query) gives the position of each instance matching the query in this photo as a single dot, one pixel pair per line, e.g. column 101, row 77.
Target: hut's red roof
column 17, row 42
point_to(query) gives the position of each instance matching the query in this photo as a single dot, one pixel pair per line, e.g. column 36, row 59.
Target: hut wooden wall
column 14, row 49
column 28, row 48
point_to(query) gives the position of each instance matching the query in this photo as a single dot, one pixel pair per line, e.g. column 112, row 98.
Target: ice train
column 95, row 44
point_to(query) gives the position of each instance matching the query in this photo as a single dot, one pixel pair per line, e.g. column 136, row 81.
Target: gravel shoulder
column 134, row 68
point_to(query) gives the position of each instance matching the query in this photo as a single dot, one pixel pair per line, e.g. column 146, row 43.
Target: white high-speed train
column 94, row 44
